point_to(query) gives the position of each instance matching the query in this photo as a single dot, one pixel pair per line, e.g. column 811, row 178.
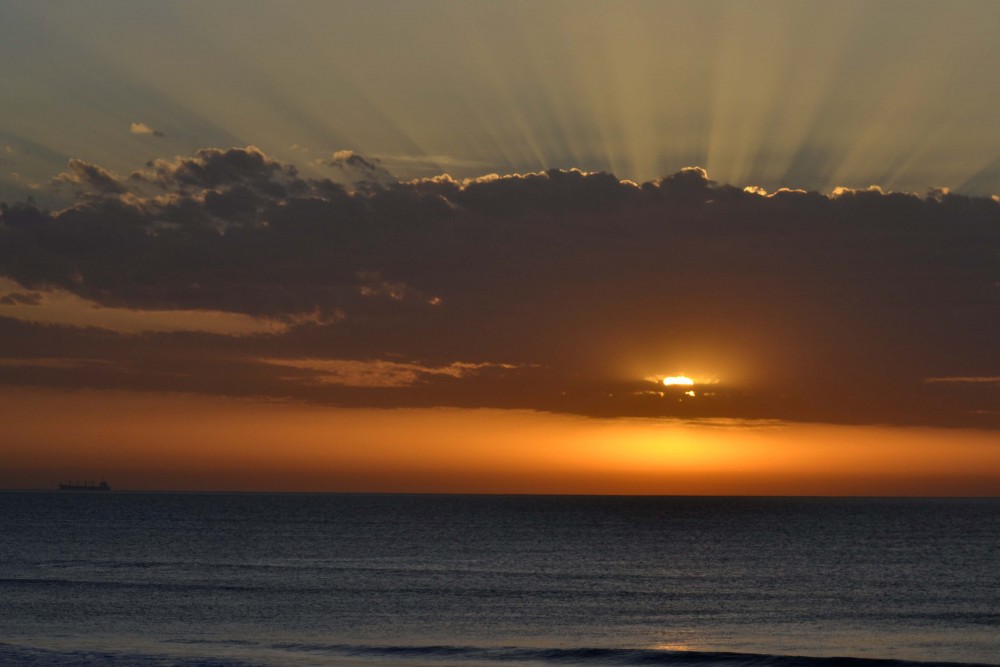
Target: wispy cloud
column 60, row 307
column 379, row 372
column 434, row 162
column 966, row 380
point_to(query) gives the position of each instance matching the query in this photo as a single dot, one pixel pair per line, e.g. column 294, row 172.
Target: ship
column 86, row 486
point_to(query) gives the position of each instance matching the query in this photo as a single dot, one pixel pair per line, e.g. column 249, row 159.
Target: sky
column 460, row 247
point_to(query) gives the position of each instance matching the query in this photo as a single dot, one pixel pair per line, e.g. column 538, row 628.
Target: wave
column 28, row 656
column 444, row 655
column 610, row 656
column 104, row 585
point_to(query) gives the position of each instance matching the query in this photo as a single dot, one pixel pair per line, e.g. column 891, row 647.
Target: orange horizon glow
column 197, row 443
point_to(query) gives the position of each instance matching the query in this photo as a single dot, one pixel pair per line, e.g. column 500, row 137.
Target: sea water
column 288, row 579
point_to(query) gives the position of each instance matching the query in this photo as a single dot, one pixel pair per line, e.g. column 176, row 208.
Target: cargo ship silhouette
column 86, row 486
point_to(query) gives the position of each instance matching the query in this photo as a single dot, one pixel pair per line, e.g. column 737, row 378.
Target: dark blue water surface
column 285, row 579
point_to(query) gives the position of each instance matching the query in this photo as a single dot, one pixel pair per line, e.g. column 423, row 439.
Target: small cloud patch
column 378, row 372
column 142, row 128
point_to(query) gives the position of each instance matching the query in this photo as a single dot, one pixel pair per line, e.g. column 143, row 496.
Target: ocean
column 156, row 579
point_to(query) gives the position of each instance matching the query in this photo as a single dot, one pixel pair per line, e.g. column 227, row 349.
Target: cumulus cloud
column 89, row 177
column 215, row 167
column 142, row 128
column 802, row 305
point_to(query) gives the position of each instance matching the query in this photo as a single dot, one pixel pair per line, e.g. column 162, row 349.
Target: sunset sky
column 459, row 246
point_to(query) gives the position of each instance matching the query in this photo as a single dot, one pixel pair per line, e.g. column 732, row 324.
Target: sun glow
column 187, row 442
column 673, row 380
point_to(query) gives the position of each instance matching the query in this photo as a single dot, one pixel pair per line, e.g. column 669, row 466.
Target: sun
column 673, row 380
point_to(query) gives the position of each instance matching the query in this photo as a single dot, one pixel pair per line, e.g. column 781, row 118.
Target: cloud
column 431, row 164
column 60, row 307
column 360, row 171
column 21, row 299
column 378, row 372
column 967, row 380
column 142, row 128
column 43, row 362
column 801, row 305
column 215, row 167
column 89, row 177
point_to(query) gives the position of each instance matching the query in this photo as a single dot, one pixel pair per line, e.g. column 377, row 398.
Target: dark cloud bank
column 573, row 286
